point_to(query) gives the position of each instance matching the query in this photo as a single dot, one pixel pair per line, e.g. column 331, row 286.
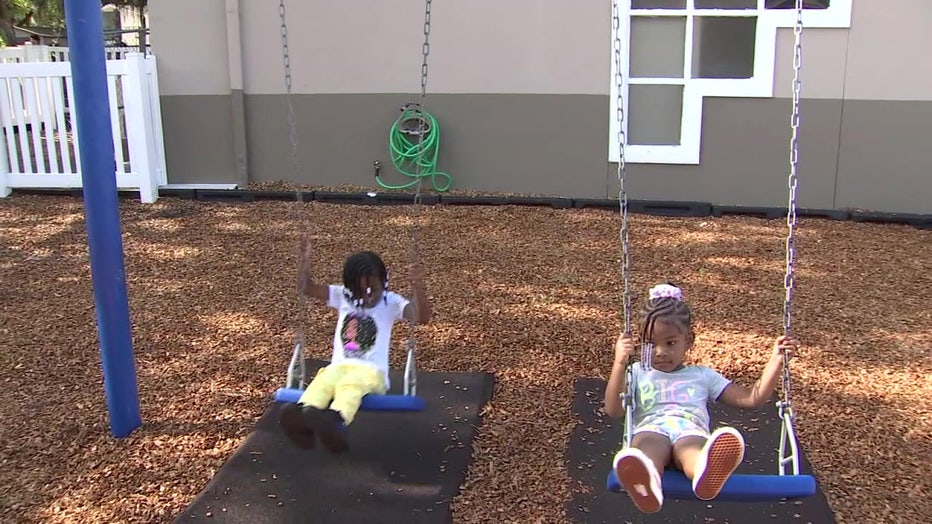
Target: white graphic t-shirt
column 363, row 335
column 684, row 393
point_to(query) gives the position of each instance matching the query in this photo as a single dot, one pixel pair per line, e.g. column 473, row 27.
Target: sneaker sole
column 293, row 424
column 635, row 477
column 332, row 438
column 725, row 454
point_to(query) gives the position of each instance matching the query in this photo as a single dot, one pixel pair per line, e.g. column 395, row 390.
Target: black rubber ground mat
column 401, row 466
column 596, row 439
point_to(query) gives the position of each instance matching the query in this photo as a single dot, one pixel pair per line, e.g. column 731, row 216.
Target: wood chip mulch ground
column 530, row 294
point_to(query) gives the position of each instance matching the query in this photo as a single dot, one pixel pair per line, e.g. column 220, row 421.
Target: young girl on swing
column 671, row 417
column 367, row 311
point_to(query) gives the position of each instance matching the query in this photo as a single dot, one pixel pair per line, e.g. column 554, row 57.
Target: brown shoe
column 296, row 426
column 329, row 426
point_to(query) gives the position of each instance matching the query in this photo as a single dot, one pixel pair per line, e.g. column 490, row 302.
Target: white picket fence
column 47, row 53
column 40, row 147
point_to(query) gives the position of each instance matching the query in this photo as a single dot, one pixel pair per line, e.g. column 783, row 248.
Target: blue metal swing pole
column 84, row 21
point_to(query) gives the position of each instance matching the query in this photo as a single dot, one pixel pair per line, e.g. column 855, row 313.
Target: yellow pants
column 341, row 387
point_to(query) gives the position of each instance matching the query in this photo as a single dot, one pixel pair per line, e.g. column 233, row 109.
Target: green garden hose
column 411, row 156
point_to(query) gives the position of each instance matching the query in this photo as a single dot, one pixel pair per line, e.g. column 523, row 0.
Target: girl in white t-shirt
column 367, row 311
column 671, row 417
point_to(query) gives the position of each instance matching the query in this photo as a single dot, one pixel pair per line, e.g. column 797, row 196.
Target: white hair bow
column 666, row 291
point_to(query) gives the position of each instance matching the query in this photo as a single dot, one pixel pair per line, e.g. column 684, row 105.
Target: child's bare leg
column 657, row 447
column 639, row 469
column 685, row 453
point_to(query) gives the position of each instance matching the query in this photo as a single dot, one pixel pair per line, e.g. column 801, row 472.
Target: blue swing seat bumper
column 369, row 402
column 738, row 488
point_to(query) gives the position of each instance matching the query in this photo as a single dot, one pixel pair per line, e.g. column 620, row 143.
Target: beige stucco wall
column 888, row 51
column 220, row 61
column 476, row 47
column 883, row 56
column 190, row 40
column 481, row 46
column 487, row 46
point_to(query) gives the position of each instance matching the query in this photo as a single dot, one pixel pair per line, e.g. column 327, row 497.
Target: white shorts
column 674, row 428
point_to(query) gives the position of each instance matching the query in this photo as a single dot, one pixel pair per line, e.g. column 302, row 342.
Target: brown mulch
column 530, row 294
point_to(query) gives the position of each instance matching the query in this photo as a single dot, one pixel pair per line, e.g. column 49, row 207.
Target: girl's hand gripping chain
column 624, row 348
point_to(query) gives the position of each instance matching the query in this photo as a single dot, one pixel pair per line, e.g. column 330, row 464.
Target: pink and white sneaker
column 721, row 455
column 636, row 472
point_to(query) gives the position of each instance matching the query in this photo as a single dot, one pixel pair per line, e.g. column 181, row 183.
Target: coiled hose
column 413, row 157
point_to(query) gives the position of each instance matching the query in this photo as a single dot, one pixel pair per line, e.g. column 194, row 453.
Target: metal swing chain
column 422, row 126
column 425, row 50
column 292, row 121
column 297, row 374
column 628, row 395
column 416, row 209
column 790, row 276
column 784, row 406
column 410, row 386
column 622, row 194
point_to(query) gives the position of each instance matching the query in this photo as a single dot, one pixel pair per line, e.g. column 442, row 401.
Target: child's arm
column 742, row 397
column 306, row 285
column 617, row 383
column 418, row 311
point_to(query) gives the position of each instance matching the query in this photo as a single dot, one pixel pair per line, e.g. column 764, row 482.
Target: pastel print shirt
column 684, row 393
column 363, row 335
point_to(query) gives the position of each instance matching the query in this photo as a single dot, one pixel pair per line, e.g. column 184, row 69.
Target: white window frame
column 760, row 85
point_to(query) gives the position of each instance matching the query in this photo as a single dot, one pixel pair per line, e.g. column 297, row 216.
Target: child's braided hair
column 358, row 265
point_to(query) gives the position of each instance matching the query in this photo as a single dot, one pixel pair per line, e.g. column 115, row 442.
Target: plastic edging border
column 648, row 207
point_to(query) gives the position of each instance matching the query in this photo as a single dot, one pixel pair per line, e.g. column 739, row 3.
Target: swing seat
column 408, row 401
column 369, row 402
column 738, row 487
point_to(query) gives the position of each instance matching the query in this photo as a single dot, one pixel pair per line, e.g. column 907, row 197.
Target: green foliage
column 48, row 13
column 43, row 13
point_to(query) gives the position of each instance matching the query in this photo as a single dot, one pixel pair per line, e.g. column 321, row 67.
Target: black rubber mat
column 597, row 438
column 401, row 467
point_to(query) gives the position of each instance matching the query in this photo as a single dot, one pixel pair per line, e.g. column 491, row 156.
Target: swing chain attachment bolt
column 410, row 384
column 297, row 372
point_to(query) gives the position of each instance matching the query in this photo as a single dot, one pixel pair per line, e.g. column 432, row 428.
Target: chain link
column 622, row 194
column 422, row 131
column 299, row 195
column 425, row 50
column 789, row 282
column 292, row 120
column 422, row 124
column 628, row 395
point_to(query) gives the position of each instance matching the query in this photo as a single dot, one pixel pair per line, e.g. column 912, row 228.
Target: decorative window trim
column 760, row 85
